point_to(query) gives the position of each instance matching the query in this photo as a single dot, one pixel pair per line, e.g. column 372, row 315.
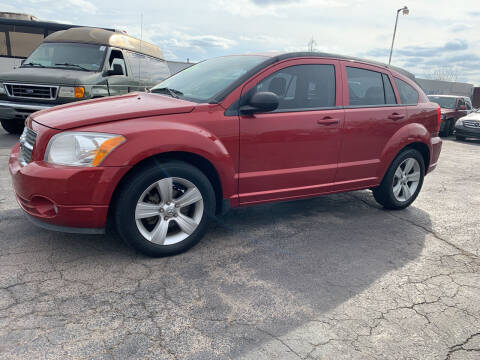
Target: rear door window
column 408, row 94
column 366, row 88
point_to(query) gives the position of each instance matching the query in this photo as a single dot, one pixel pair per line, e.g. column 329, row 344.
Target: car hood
column 90, row 112
column 472, row 116
column 36, row 75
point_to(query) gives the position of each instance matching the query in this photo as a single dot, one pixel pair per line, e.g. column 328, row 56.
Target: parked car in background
column 452, row 107
column 77, row 64
column 227, row 132
column 468, row 126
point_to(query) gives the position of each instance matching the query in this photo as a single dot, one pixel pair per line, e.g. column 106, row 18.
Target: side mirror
column 462, row 107
column 117, row 70
column 263, row 101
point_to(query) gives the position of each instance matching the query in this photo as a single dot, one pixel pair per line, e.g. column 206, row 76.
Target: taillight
column 439, row 118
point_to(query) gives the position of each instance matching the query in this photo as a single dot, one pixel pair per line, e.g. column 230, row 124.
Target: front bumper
column 20, row 110
column 62, row 196
column 471, row 132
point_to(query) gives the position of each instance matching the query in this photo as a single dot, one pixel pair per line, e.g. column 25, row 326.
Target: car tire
column 407, row 170
column 460, row 138
column 13, row 126
column 161, row 222
column 444, row 129
column 451, row 127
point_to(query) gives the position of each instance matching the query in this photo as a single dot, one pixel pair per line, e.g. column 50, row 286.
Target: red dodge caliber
column 227, row 132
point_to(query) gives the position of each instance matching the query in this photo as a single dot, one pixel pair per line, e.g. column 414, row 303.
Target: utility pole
column 404, row 11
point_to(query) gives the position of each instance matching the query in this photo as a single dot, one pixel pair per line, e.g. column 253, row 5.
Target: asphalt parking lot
column 335, row 277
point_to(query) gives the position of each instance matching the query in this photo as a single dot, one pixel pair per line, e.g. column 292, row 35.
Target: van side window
column 408, row 94
column 366, row 88
column 389, row 94
column 116, row 57
column 148, row 69
column 302, row 86
column 154, row 70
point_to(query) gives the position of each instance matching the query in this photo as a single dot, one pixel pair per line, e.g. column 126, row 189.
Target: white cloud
column 202, row 29
column 277, row 8
column 82, row 5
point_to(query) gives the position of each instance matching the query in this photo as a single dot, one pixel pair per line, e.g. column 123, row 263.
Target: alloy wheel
column 406, row 179
column 169, row 211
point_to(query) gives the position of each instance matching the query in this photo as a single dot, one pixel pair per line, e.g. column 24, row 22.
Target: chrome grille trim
column 27, row 142
column 31, row 91
column 471, row 124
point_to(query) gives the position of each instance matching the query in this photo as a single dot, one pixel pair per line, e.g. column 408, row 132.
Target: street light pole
column 404, row 11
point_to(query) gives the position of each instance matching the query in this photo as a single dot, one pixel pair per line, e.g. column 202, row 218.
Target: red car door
column 293, row 151
column 373, row 113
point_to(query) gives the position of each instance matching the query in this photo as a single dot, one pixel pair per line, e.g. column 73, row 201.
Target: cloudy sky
column 437, row 35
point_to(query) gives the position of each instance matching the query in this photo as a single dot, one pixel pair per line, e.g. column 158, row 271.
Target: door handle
column 396, row 116
column 327, row 120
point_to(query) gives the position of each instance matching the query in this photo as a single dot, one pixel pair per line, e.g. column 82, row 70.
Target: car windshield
column 444, row 102
column 72, row 56
column 201, row 82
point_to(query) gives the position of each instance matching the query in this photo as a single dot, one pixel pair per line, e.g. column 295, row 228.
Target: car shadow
column 259, row 270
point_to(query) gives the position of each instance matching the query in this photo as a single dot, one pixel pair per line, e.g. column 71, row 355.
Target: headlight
column 76, row 92
column 81, row 148
column 2, row 89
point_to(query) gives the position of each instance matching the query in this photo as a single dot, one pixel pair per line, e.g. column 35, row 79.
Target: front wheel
column 460, row 138
column 13, row 126
column 164, row 210
column 402, row 182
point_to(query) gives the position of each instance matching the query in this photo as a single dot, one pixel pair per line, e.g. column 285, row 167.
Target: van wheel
column 164, row 210
column 402, row 182
column 13, row 126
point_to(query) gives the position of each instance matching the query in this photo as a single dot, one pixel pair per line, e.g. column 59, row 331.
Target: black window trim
column 384, row 93
column 233, row 109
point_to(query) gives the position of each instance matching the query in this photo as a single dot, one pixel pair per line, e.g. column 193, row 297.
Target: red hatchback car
column 227, row 132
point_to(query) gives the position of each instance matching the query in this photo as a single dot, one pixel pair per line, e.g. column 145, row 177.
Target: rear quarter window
column 408, row 95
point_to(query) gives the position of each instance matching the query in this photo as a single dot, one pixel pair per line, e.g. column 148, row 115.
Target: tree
column 444, row 73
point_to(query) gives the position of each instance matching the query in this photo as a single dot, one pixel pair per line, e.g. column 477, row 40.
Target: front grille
column 27, row 142
column 27, row 91
column 471, row 124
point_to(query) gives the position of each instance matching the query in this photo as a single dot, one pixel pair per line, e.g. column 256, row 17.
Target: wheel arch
column 198, row 161
column 414, row 136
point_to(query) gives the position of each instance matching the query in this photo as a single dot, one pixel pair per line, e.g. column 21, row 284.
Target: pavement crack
column 420, row 226
column 461, row 346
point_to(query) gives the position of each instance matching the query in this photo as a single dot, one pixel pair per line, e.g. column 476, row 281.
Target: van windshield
column 72, row 56
column 201, row 82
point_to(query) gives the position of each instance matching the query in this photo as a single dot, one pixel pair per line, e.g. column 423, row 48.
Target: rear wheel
column 402, row 182
column 165, row 210
column 13, row 126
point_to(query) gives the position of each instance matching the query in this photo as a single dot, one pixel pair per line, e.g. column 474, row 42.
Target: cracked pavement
column 335, row 277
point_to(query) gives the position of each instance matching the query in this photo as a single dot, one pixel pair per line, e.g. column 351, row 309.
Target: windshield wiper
column 165, row 90
column 33, row 64
column 73, row 65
